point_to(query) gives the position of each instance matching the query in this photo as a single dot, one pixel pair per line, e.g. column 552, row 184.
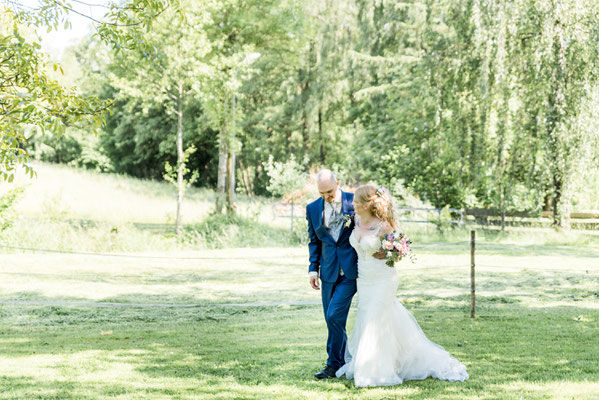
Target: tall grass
column 61, row 191
column 222, row 231
column 71, row 209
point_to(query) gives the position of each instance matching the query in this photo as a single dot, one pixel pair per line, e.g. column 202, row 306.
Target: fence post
column 291, row 216
column 472, row 284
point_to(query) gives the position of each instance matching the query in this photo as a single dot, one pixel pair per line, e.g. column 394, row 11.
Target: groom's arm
column 315, row 248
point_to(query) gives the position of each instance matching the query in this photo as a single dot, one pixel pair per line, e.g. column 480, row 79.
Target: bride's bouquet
column 396, row 246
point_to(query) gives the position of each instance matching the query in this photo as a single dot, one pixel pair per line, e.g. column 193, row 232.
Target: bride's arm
column 386, row 229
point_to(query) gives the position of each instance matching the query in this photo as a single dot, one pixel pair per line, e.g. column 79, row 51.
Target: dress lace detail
column 387, row 346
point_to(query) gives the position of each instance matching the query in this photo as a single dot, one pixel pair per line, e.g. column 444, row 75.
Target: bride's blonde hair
column 378, row 201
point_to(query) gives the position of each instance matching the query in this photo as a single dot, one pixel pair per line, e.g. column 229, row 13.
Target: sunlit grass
column 61, row 192
column 534, row 336
column 249, row 275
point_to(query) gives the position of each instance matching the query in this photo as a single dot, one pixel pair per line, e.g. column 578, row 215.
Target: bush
column 285, row 178
column 443, row 220
column 75, row 147
column 7, row 203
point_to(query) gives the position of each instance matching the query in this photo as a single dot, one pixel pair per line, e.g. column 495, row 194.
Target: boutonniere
column 347, row 220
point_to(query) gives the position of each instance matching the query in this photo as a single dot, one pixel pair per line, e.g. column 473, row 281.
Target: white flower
column 347, row 220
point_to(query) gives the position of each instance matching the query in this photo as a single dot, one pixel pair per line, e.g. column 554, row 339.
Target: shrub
column 7, row 203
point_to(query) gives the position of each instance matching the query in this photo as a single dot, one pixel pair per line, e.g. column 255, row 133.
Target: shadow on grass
column 272, row 352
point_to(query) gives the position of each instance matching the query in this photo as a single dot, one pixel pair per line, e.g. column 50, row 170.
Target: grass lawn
column 131, row 328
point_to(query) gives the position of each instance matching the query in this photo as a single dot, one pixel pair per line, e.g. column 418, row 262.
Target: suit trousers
column 336, row 301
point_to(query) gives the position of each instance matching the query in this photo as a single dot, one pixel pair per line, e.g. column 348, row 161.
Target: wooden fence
column 482, row 217
column 588, row 220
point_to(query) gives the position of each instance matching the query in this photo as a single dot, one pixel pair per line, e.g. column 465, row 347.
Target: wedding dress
column 387, row 346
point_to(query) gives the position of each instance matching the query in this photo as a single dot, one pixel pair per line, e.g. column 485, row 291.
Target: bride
column 386, row 346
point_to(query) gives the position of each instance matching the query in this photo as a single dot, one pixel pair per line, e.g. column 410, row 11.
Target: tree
column 27, row 96
column 242, row 31
column 478, row 103
column 172, row 75
column 565, row 51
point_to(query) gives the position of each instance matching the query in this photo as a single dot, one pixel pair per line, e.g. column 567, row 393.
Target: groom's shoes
column 326, row 373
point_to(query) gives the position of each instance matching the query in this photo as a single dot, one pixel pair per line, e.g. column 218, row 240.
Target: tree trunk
column 321, row 136
column 245, row 179
column 180, row 158
column 230, row 181
column 231, row 164
column 222, row 164
column 548, row 203
column 559, row 157
column 303, row 95
column 562, row 204
column 557, row 194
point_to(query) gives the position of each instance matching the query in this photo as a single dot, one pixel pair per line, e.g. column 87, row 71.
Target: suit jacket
column 326, row 254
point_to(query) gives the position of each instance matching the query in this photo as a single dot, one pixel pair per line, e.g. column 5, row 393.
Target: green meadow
column 244, row 324
column 236, row 319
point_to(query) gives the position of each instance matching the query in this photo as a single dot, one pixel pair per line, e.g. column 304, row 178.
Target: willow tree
column 475, row 102
column 562, row 39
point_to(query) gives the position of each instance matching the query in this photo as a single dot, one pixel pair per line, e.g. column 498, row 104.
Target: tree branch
column 109, row 23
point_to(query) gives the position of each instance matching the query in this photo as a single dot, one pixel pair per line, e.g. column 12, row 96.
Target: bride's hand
column 381, row 255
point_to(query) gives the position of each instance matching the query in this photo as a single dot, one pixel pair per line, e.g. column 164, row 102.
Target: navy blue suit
column 327, row 256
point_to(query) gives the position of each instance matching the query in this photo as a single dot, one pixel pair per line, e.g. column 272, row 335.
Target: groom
column 333, row 260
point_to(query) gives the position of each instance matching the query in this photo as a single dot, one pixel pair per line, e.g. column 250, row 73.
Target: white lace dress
column 387, row 346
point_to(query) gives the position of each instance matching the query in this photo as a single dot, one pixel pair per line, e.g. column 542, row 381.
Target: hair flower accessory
column 380, row 191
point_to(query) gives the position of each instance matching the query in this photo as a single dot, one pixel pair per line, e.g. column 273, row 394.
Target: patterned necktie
column 335, row 223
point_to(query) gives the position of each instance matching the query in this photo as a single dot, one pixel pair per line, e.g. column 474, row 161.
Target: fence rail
column 482, row 218
column 472, row 217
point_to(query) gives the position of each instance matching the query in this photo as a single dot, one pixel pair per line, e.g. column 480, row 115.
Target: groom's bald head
column 325, row 175
column 327, row 184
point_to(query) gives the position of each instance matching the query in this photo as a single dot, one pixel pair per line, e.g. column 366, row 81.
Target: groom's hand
column 314, row 283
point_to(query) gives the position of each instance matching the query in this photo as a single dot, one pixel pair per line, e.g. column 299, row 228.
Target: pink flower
column 387, row 245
